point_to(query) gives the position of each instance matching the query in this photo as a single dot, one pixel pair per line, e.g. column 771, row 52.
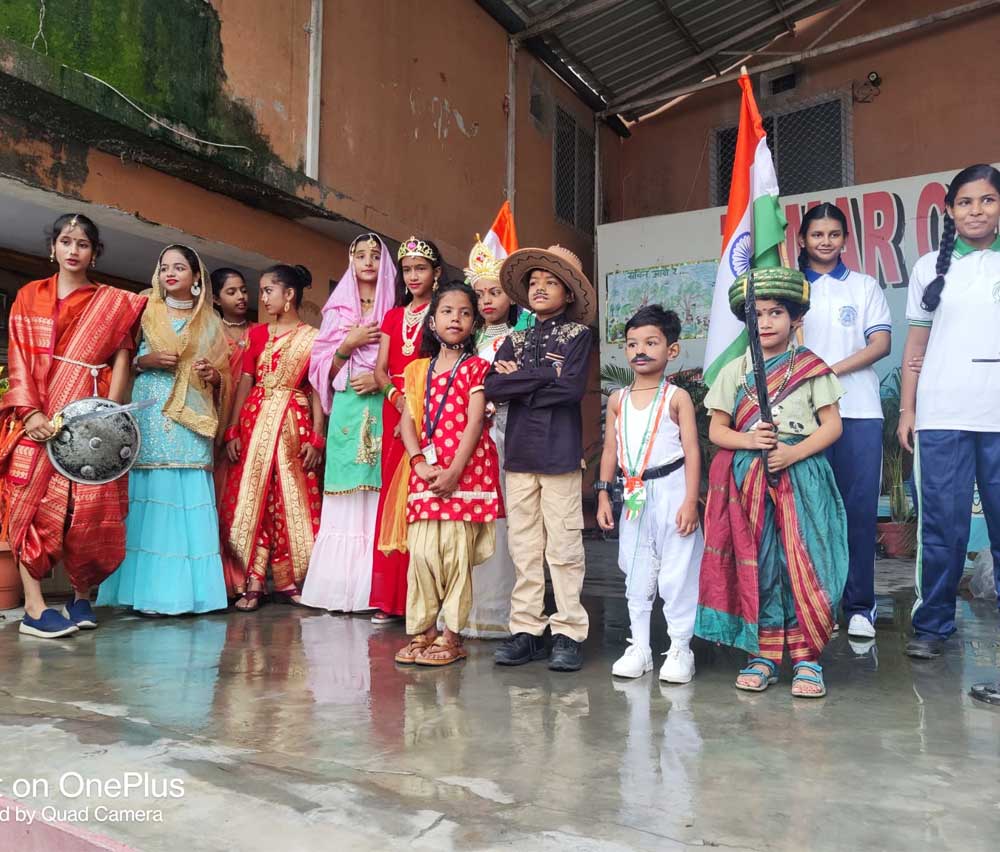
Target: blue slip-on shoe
column 81, row 614
column 49, row 625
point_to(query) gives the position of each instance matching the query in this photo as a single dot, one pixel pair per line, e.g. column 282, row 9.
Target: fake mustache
column 641, row 359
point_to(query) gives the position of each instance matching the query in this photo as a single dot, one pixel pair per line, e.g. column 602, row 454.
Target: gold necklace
column 228, row 324
column 269, row 380
column 412, row 321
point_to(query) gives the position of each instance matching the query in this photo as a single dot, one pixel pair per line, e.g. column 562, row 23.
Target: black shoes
column 925, row 647
column 567, row 655
column 520, row 649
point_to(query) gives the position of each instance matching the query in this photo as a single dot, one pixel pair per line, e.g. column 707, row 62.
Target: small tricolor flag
column 501, row 239
column 753, row 233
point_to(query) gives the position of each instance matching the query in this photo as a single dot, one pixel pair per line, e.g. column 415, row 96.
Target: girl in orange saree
column 229, row 290
column 275, row 440
column 69, row 339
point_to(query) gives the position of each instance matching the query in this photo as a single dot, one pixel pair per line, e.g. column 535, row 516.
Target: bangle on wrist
column 341, row 356
column 231, row 433
column 317, row 440
column 416, row 458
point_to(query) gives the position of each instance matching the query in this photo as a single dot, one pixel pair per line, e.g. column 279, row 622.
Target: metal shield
column 98, row 450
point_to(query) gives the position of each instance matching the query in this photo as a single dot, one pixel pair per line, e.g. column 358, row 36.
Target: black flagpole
column 759, row 373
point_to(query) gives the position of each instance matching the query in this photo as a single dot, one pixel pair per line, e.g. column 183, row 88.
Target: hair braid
column 932, row 295
column 803, row 259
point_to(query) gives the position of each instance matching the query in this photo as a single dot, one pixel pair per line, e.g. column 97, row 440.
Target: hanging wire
column 41, row 25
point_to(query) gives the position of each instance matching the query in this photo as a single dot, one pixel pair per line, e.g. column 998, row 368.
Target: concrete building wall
column 936, row 108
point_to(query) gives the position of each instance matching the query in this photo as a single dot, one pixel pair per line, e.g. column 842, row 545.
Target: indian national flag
column 753, row 234
column 501, row 239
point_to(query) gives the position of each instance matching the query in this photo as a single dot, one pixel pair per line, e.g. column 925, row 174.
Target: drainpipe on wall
column 511, row 119
column 315, row 30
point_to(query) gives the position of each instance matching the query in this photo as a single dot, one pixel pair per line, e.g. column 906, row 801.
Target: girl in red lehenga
column 275, row 440
column 420, row 268
column 229, row 290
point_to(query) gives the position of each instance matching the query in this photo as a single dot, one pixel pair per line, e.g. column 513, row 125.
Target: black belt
column 662, row 470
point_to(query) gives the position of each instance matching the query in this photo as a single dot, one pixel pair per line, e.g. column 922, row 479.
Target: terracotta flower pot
column 898, row 540
column 11, row 590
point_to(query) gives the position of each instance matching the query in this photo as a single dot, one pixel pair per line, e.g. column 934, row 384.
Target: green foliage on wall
column 166, row 55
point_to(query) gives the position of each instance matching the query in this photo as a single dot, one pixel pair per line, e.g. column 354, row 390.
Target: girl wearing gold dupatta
column 271, row 510
column 172, row 561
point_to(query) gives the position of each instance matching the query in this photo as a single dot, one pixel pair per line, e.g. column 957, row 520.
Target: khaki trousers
column 545, row 524
column 439, row 577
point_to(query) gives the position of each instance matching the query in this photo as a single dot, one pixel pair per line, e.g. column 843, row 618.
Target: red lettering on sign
column 884, row 224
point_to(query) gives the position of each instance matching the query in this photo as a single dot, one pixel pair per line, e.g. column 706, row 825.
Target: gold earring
column 93, row 263
column 287, row 306
column 52, row 255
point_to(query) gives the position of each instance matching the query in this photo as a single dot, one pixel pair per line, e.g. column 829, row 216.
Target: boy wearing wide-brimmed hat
column 542, row 373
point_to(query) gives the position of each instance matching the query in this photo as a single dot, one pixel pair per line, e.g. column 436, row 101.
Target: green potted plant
column 11, row 590
column 898, row 535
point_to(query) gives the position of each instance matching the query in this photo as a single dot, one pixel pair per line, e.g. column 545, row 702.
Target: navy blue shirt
column 544, row 425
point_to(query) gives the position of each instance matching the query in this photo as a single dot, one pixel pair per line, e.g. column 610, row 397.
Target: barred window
column 573, row 172
column 810, row 145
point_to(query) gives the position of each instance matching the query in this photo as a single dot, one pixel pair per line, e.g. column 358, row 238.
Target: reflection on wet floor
column 294, row 730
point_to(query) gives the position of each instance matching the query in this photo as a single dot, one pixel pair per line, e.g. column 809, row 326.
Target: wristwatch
column 602, row 485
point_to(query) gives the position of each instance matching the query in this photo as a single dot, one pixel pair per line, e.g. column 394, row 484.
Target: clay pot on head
column 11, row 590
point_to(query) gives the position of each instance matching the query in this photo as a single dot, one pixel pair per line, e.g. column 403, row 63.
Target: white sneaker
column 860, row 627
column 635, row 662
column 679, row 666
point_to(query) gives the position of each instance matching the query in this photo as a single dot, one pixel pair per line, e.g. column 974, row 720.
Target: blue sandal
column 765, row 679
column 813, row 674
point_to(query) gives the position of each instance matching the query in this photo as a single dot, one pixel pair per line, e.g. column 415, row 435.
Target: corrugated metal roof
column 634, row 48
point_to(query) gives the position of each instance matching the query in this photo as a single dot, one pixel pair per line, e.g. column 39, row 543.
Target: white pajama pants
column 655, row 557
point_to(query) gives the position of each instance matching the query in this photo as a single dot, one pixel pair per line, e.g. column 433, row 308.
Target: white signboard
column 671, row 260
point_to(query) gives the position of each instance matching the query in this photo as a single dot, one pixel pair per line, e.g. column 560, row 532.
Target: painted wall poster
column 685, row 288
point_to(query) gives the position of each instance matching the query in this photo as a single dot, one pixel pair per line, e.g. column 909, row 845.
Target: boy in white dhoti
column 651, row 436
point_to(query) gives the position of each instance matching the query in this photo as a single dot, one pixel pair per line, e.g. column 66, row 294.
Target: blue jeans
column 856, row 459
column 949, row 464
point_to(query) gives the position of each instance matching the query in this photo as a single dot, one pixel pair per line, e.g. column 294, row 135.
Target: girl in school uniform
column 849, row 327
column 952, row 405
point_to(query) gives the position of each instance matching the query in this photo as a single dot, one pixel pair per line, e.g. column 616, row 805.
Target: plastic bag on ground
column 983, row 583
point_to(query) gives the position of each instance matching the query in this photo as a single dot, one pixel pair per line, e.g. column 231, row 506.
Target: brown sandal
column 408, row 656
column 253, row 599
column 453, row 653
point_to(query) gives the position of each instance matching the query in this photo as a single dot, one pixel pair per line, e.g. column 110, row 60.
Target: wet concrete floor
column 287, row 730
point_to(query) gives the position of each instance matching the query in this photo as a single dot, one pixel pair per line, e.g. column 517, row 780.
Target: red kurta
column 48, row 518
column 477, row 497
column 389, row 571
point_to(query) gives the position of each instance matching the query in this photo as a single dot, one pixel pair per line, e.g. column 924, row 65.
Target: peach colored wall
column 157, row 197
column 265, row 51
column 937, row 108
column 413, row 130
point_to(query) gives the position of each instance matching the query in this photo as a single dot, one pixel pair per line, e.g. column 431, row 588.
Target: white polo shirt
column 845, row 309
column 954, row 391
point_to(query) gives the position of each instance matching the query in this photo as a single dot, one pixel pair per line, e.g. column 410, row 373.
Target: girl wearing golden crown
column 419, row 266
column 493, row 581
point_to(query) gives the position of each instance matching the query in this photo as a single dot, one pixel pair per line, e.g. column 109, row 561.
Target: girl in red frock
column 453, row 490
column 419, row 263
